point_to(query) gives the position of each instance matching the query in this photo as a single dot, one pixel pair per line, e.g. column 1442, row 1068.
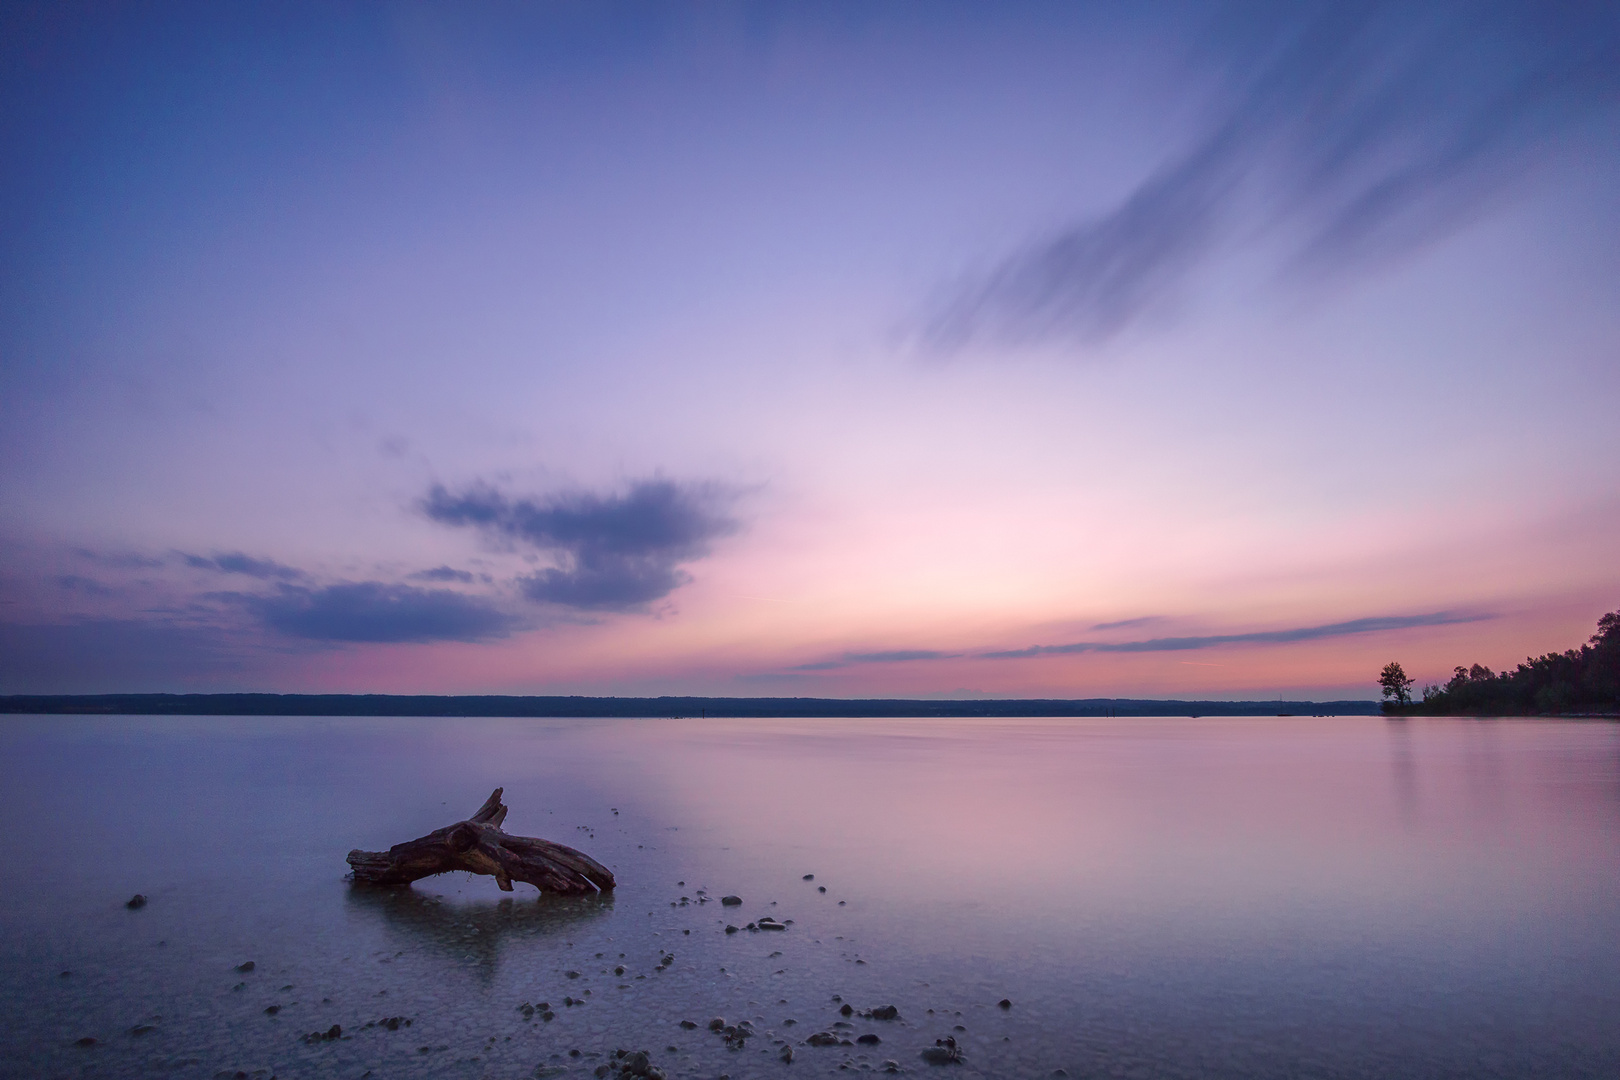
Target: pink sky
column 745, row 357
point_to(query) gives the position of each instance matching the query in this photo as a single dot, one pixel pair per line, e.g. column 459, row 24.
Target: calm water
column 1157, row 898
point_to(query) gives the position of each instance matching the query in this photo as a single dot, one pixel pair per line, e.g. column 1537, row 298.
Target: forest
column 1584, row 680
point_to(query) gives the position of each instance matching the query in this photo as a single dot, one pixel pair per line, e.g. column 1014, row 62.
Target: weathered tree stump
column 478, row 846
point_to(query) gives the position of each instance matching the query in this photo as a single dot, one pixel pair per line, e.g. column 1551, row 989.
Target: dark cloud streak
column 892, row 656
column 235, row 562
column 370, row 611
column 1263, row 637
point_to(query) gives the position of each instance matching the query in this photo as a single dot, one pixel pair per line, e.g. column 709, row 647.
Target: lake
column 1220, row 897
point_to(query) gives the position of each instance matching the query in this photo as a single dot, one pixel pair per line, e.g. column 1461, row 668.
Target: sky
column 844, row 350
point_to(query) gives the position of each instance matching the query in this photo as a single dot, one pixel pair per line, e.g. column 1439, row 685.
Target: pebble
column 809, row 877
column 87, row 1040
column 731, row 901
column 1004, row 1003
column 136, row 902
column 868, row 1039
column 245, row 966
column 943, row 1052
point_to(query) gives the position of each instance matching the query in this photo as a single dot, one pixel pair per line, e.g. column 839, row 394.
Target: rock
column 636, row 1064
column 601, row 1072
column 619, row 970
column 1004, row 1003
column 271, row 1010
column 786, row 1055
column 141, row 1029
column 87, row 1040
column 771, row 924
column 846, row 1009
column 890, row 1065
column 823, row 1038
column 571, row 974
column 546, row 1072
column 809, row 877
column 731, row 929
column 885, row 1012
column 821, row 888
column 687, row 1025
column 136, row 902
column 868, row 1039
column 731, row 901
column 245, row 966
column 548, row 1016
column 943, row 1052
column 717, row 1024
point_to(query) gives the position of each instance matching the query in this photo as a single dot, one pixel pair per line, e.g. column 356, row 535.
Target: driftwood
column 478, row 846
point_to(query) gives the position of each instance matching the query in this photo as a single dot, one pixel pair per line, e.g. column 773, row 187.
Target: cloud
column 370, row 611
column 893, row 656
column 1352, row 133
column 112, row 656
column 1264, row 637
column 237, row 563
column 442, row 573
column 122, row 560
column 615, row 552
column 1124, row 623
column 80, row 584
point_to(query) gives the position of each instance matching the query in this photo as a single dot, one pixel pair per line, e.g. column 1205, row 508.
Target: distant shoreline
column 647, row 707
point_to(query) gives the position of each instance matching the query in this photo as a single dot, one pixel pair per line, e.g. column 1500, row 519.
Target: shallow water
column 1224, row 897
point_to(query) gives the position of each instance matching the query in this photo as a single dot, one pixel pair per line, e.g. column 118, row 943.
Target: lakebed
column 1212, row 897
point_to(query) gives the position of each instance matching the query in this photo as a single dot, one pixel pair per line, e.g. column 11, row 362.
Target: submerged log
column 478, row 846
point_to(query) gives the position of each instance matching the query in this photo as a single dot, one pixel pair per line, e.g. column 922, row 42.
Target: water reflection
column 1403, row 773
column 474, row 932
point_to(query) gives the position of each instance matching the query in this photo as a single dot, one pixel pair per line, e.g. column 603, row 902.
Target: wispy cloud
column 1123, row 624
column 892, row 656
column 235, row 562
column 1261, row 637
column 111, row 655
column 443, row 573
column 370, row 611
column 1348, row 132
column 616, row 552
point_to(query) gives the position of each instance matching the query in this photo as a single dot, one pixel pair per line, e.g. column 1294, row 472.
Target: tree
column 1395, row 682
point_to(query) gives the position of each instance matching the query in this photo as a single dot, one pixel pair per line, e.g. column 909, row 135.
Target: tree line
column 1586, row 679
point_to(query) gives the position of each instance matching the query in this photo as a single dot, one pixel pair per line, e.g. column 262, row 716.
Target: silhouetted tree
column 1583, row 679
column 1395, row 682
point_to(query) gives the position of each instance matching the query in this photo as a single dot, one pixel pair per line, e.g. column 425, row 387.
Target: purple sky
column 889, row 350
